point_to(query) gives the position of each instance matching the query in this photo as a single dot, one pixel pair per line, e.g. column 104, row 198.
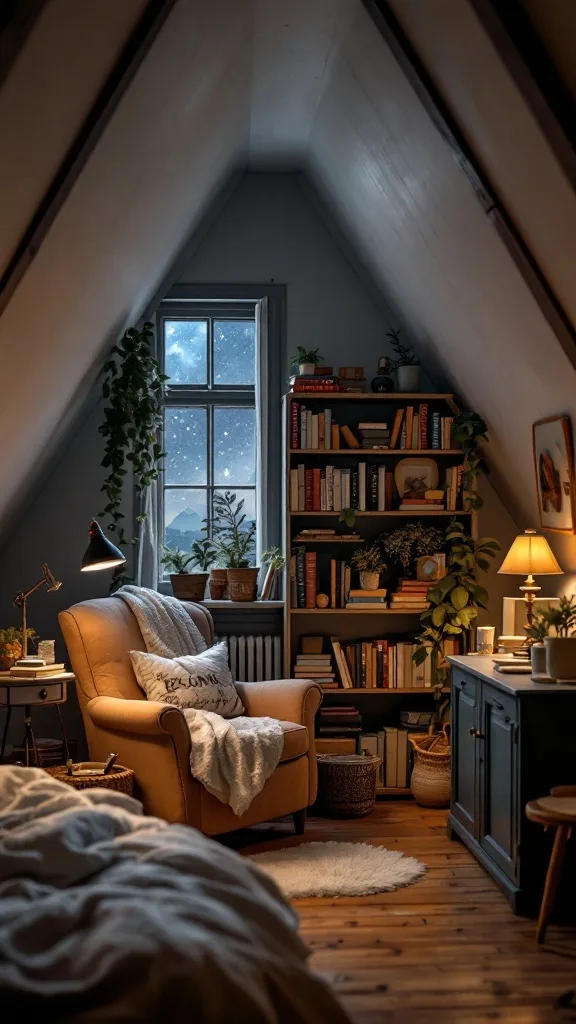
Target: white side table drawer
column 38, row 692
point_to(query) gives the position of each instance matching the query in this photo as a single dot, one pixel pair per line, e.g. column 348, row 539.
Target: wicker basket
column 430, row 781
column 120, row 779
column 346, row 785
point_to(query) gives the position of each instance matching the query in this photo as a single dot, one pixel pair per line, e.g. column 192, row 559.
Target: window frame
column 229, row 302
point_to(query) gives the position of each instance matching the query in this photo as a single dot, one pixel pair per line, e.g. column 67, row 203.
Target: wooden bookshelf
column 358, row 624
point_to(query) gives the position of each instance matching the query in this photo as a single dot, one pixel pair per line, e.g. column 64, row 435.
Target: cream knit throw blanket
column 231, row 757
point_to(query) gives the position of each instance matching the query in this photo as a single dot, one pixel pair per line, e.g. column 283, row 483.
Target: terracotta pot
column 218, row 583
column 242, row 584
column 369, row 580
column 561, row 658
column 189, row 586
column 6, row 662
column 409, row 378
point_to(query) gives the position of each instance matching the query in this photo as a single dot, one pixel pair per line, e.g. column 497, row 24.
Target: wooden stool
column 558, row 811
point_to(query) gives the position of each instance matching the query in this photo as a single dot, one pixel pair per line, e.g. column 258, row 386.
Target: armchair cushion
column 201, row 681
column 296, row 741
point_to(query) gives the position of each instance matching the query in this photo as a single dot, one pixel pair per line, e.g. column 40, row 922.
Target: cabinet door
column 465, row 721
column 499, row 779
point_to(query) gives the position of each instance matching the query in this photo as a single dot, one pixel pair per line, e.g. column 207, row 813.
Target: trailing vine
column 468, row 429
column 134, row 388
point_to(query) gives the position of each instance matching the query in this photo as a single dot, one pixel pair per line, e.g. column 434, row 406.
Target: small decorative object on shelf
column 406, row 363
column 322, row 600
column 46, row 651
column 431, row 567
column 382, row 382
column 369, row 563
column 306, row 359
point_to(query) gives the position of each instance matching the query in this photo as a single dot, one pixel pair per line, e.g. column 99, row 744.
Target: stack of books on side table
column 34, row 668
column 411, row 595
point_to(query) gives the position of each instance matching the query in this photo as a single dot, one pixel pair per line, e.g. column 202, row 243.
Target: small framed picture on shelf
column 554, row 470
column 431, row 567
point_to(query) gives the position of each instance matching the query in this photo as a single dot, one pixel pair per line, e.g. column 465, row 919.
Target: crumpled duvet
column 107, row 915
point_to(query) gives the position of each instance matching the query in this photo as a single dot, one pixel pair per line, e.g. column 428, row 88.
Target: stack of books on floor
column 323, row 380
column 317, row 667
column 382, row 665
column 374, row 435
column 395, row 752
column 339, row 721
column 411, row 595
column 366, row 599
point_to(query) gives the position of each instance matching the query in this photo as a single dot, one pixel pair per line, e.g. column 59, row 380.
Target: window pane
column 234, row 348
column 234, row 446
column 184, row 511
column 185, row 350
column 185, row 438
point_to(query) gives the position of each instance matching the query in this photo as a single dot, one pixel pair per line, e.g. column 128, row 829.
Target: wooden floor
column 445, row 949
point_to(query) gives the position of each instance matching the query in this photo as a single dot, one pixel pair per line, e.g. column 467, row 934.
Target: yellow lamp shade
column 530, row 554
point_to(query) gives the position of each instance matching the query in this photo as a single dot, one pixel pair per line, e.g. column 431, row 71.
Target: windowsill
column 228, row 605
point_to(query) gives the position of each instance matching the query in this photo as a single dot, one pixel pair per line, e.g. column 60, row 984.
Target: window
column 209, row 353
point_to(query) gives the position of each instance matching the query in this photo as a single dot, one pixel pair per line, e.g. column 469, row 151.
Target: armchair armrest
column 154, row 741
column 293, row 700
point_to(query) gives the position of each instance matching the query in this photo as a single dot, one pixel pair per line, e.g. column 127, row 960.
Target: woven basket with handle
column 430, row 781
column 120, row 779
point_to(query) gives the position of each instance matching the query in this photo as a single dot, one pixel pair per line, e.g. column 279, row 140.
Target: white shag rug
column 338, row 869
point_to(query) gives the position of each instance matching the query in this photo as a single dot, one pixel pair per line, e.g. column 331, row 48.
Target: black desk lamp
column 101, row 553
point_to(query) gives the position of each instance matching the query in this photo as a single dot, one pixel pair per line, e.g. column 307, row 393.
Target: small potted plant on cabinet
column 536, row 635
column 561, row 649
column 189, row 586
column 369, row 563
column 406, row 364
column 235, row 539
column 306, row 359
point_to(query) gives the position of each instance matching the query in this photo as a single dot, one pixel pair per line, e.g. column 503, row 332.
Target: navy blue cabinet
column 512, row 740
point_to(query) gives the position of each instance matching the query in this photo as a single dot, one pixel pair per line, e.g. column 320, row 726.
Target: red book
column 315, row 387
column 424, row 425
column 308, row 491
column 310, row 578
column 295, row 425
column 316, row 481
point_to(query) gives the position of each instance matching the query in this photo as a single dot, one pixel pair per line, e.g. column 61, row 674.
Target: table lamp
column 51, row 583
column 530, row 555
column 101, row 553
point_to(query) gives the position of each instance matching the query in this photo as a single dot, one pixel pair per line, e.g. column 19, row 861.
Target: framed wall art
column 554, row 469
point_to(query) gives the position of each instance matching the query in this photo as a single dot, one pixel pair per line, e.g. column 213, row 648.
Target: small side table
column 29, row 693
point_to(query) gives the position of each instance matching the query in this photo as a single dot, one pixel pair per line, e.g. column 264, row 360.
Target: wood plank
column 447, row 948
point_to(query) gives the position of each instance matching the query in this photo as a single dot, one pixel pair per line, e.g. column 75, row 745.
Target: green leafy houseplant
column 455, row 599
column 234, row 538
column 368, row 559
column 468, row 429
column 404, row 354
column 410, row 542
column 204, row 554
column 562, row 618
column 540, row 628
column 306, row 355
column 134, row 389
column 561, row 649
column 176, row 561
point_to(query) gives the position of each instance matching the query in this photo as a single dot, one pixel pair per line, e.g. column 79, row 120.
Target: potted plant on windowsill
column 306, row 359
column 369, row 564
column 561, row 649
column 189, row 586
column 235, row 538
column 406, row 364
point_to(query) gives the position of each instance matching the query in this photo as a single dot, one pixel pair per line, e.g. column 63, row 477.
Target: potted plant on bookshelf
column 234, row 538
column 404, row 545
column 11, row 646
column 306, row 359
column 368, row 562
column 189, row 586
column 454, row 600
column 561, row 649
column 406, row 363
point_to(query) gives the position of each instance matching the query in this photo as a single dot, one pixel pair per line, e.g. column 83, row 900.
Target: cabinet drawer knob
column 43, row 694
column 498, row 705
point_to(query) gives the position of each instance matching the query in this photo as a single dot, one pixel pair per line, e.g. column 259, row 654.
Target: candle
column 485, row 639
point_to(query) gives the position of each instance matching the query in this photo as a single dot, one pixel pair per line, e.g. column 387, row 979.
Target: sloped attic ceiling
column 309, row 84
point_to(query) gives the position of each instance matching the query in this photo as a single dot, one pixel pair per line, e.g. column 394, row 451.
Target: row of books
column 338, row 720
column 393, row 748
column 366, row 488
column 413, row 428
column 254, row 659
column 379, row 664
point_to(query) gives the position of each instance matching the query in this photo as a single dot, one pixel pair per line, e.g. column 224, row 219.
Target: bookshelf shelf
column 395, row 397
column 380, row 515
column 355, row 611
column 371, row 452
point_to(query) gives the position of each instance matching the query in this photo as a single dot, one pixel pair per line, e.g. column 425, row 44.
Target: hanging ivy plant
column 468, row 429
column 134, row 388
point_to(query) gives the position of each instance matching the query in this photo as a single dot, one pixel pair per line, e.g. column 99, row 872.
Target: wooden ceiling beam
column 129, row 60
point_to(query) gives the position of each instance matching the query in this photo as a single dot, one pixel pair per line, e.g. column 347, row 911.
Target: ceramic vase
column 307, row 368
column 538, row 659
column 561, row 658
column 409, row 378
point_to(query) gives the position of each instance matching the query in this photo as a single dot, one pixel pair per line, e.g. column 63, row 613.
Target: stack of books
column 34, row 668
column 367, row 598
column 395, row 752
column 453, row 486
column 411, row 595
column 317, row 667
column 303, row 382
column 431, row 501
column 374, row 435
column 413, row 428
column 327, row 535
column 339, row 720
